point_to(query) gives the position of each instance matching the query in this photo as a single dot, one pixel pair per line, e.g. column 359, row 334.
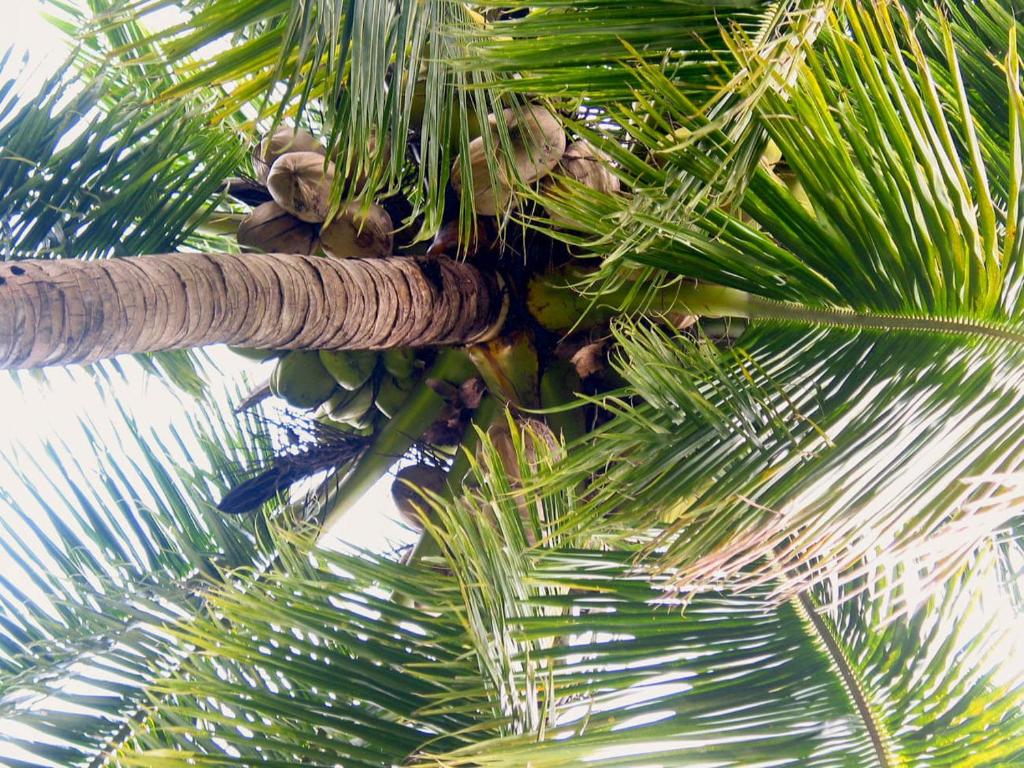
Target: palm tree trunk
column 67, row 311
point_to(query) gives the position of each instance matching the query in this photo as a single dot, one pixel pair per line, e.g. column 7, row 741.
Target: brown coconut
column 537, row 143
column 354, row 233
column 299, row 183
column 587, row 165
column 280, row 142
column 409, row 501
column 270, row 228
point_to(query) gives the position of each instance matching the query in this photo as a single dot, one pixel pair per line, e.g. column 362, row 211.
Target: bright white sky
column 27, row 31
column 38, row 411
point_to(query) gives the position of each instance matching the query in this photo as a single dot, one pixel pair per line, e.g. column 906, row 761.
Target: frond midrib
column 820, row 629
column 769, row 309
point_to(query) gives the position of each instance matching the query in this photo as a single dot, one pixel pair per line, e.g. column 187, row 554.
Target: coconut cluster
column 298, row 175
column 537, row 143
column 538, row 148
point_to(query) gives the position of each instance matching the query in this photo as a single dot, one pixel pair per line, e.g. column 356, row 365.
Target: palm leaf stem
column 768, row 309
column 824, row 633
column 558, row 305
column 713, row 300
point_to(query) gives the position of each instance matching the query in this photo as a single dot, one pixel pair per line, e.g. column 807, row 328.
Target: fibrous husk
column 537, row 441
column 538, row 445
column 460, row 402
column 299, row 183
column 588, row 165
column 537, row 144
column 281, row 142
column 270, row 228
column 355, row 233
column 590, row 359
column 409, row 501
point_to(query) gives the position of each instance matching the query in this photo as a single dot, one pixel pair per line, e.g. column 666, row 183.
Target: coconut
column 587, row 165
column 487, row 199
column 409, row 501
column 299, row 183
column 355, row 233
column 280, row 142
column 537, row 143
column 270, row 228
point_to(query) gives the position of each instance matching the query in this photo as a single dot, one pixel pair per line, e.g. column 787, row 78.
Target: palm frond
column 367, row 77
column 955, row 636
column 722, row 573
column 92, row 169
column 555, row 656
column 86, row 179
column 102, row 553
column 562, row 47
column 881, row 367
column 361, row 75
column 898, row 213
column 753, row 460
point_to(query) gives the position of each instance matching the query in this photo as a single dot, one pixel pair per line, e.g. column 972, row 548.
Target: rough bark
column 67, row 311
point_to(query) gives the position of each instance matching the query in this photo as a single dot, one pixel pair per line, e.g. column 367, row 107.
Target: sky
column 36, row 411
column 26, row 30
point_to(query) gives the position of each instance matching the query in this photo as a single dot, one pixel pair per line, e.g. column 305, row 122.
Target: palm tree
column 765, row 553
column 61, row 312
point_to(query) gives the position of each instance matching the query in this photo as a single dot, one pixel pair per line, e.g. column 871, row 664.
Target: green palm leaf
column 102, row 172
column 361, row 71
column 350, row 69
column 756, row 456
column 90, row 168
column 102, row 554
column 724, row 572
column 561, row 48
column 881, row 370
column 556, row 656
